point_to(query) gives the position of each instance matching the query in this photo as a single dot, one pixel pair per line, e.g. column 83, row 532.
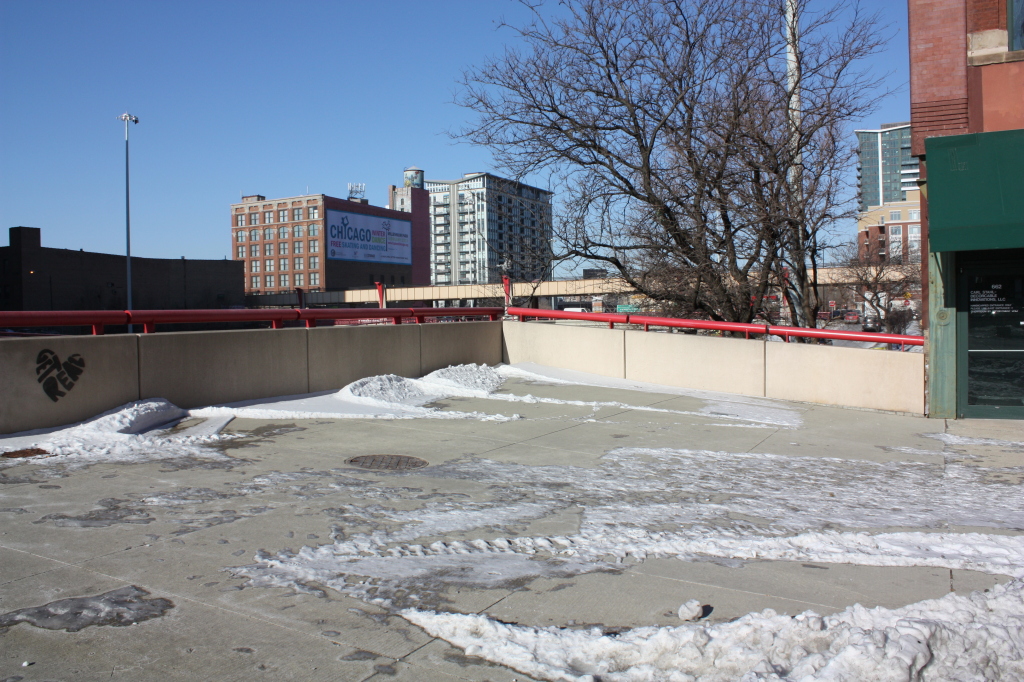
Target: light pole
column 126, row 117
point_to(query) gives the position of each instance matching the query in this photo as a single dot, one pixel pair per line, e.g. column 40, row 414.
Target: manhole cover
column 387, row 462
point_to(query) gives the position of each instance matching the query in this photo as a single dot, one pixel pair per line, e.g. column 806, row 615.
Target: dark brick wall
column 39, row 278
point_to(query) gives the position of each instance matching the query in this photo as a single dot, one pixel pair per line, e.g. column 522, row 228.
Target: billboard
column 367, row 238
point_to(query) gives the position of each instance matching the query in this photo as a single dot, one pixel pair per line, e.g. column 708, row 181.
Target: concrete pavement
column 175, row 529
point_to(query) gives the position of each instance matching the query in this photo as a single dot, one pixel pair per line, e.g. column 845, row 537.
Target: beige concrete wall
column 702, row 362
column 340, row 355
column 851, row 377
column 109, row 377
column 584, row 349
column 458, row 343
column 193, row 369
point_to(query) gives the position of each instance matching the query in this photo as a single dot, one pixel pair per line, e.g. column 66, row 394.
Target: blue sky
column 242, row 97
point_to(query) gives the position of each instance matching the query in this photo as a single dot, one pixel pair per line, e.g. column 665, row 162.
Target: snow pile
column 389, row 396
column 129, row 433
column 977, row 637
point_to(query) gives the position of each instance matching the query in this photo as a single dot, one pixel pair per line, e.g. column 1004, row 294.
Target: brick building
column 285, row 244
column 34, row 277
column 967, row 117
column 892, row 231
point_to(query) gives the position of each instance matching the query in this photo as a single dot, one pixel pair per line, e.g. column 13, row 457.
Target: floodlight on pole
column 128, row 118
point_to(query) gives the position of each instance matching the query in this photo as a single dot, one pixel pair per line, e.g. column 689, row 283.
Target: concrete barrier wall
column 459, row 343
column 340, row 355
column 584, row 349
column 83, row 376
column 55, row 380
column 192, row 369
column 850, row 377
column 829, row 375
column 702, row 362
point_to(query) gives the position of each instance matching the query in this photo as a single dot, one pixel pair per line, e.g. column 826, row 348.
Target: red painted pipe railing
column 747, row 329
column 648, row 322
column 611, row 318
column 98, row 319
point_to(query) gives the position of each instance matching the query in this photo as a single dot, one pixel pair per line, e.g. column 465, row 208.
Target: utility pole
column 126, row 117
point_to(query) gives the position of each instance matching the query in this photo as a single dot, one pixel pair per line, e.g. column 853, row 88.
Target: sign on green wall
column 976, row 191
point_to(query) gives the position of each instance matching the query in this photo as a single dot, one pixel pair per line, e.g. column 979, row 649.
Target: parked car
column 871, row 324
column 852, row 316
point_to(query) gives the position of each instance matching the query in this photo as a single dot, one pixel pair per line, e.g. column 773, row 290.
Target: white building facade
column 483, row 227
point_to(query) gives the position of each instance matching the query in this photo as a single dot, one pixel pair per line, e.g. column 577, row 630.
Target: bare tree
column 885, row 285
column 667, row 126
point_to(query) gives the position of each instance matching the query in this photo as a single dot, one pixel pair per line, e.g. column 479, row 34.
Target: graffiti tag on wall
column 58, row 377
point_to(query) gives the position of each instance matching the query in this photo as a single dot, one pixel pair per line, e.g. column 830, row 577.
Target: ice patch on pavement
column 125, row 434
column 641, row 503
column 976, row 637
column 124, row 606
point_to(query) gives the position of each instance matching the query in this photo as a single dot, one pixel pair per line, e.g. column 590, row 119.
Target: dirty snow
column 134, row 432
column 977, row 637
column 717, row 504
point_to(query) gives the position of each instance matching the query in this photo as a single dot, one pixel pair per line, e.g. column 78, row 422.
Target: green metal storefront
column 975, row 192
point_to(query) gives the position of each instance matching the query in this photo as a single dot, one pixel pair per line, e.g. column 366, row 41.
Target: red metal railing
column 98, row 319
column 785, row 332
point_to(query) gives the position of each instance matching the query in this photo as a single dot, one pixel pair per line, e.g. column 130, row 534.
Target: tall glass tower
column 886, row 169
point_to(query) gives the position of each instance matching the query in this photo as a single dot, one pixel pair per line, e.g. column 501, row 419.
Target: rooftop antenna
column 356, row 190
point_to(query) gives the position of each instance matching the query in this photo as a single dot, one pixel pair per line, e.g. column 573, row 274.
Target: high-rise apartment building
column 483, row 227
column 886, row 170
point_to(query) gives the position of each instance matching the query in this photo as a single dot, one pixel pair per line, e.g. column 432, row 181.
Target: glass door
column 990, row 348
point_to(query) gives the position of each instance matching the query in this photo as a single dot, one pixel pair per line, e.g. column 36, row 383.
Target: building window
column 314, row 279
column 881, row 219
column 300, row 264
column 269, row 264
column 254, row 266
column 284, row 233
column 314, row 212
column 914, row 214
column 284, row 280
column 282, row 248
column 268, row 250
column 298, row 247
column 300, row 231
column 297, row 214
column 254, row 218
column 268, row 233
column 895, row 215
column 282, row 215
column 268, row 217
column 895, row 230
column 314, row 262
column 254, row 235
column 314, row 245
column 254, row 250
column 282, row 264
column 241, row 251
column 270, row 281
column 314, row 230
column 254, row 282
column 299, row 279
column 240, row 236
column 240, row 220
